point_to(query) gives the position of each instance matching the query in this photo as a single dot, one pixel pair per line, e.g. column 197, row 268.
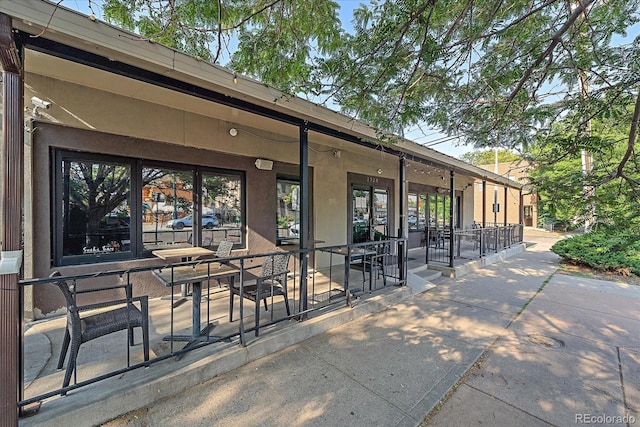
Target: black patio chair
column 271, row 282
column 224, row 251
column 81, row 329
column 375, row 263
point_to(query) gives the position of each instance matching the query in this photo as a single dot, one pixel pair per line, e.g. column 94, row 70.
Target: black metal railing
column 335, row 276
column 470, row 243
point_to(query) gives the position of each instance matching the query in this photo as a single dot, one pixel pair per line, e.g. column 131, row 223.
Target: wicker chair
column 272, row 282
column 224, row 249
column 81, row 329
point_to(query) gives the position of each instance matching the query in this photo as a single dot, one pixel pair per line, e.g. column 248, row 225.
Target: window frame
column 57, row 229
column 198, row 184
column 137, row 250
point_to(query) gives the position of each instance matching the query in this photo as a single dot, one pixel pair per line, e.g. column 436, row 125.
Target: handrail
column 325, row 288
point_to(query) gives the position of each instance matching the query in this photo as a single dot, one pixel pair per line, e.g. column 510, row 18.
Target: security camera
column 40, row 103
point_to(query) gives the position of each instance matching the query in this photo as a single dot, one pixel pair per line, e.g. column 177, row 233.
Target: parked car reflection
column 208, row 222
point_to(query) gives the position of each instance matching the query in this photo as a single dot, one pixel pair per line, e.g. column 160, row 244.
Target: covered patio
column 195, row 155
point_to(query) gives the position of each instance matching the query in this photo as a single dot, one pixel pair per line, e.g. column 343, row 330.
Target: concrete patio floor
column 170, row 376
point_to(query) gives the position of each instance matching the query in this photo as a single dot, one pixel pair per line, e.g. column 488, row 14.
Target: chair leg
column 230, row 305
column 130, row 335
column 257, row 316
column 266, row 306
column 71, row 365
column 145, row 340
column 65, row 347
column 286, row 304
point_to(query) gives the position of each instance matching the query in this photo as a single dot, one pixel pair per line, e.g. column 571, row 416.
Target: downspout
column 11, row 191
column 304, row 215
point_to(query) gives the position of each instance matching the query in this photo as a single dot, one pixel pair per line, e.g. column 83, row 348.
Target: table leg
column 196, row 295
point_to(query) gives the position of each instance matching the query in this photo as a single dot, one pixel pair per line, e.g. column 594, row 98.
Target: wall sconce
column 379, row 171
column 233, row 132
column 265, row 165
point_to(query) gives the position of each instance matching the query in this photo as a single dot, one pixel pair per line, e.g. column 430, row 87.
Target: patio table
column 350, row 256
column 196, row 274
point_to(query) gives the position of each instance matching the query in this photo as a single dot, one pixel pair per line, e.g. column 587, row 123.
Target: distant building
column 515, row 171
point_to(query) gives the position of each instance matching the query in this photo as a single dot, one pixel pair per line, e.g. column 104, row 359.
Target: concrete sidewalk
column 550, row 348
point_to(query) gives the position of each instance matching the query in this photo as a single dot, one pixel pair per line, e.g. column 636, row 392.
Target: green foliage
column 528, row 76
column 557, row 174
column 607, row 250
column 488, row 157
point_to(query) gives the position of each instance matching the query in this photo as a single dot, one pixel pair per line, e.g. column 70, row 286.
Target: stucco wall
column 86, row 119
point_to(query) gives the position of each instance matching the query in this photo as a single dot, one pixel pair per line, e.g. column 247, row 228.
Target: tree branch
column 557, row 37
column 633, row 134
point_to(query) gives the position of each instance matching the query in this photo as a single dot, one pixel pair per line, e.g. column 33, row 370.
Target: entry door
column 369, row 216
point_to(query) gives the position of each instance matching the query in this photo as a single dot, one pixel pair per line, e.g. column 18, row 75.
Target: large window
column 222, row 213
column 95, row 207
column 167, row 204
column 288, row 214
column 428, row 210
column 418, row 210
column 112, row 208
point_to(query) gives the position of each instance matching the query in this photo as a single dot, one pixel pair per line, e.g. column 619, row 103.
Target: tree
column 498, row 74
column 558, row 178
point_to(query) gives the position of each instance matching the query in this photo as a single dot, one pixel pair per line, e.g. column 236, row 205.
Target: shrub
column 606, row 250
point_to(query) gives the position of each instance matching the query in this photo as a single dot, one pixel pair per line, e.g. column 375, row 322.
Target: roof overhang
column 52, row 29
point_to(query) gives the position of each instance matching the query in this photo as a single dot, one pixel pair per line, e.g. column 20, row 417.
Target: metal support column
column 506, row 190
column 484, row 203
column 452, row 197
column 520, row 208
column 402, row 251
column 11, row 190
column 304, row 216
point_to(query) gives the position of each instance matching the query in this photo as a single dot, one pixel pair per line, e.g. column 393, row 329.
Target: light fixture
column 263, row 164
column 235, row 79
column 379, row 171
column 233, row 131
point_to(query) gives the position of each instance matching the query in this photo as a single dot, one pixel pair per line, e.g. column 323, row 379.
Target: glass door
column 369, row 216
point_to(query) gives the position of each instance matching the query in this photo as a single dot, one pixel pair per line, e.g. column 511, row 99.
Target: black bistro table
column 195, row 275
column 353, row 255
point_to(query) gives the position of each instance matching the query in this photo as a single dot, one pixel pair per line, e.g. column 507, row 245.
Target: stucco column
column 11, row 189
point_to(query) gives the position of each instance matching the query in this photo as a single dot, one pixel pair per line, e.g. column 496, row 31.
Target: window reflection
column 221, row 209
column 167, row 197
column 96, row 207
column 288, row 211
